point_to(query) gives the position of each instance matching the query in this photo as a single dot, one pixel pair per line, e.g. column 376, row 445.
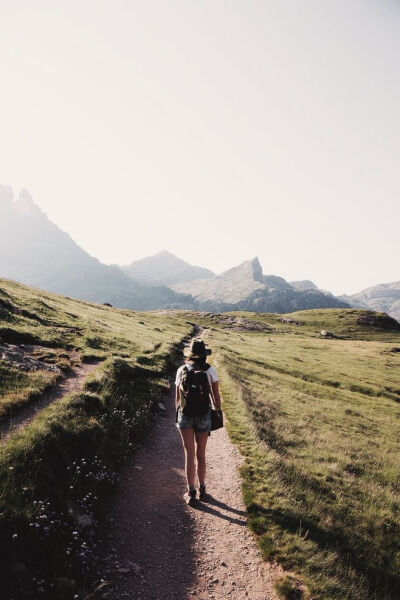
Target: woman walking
column 195, row 382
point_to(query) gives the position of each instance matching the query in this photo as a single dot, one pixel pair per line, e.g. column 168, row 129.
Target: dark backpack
column 194, row 390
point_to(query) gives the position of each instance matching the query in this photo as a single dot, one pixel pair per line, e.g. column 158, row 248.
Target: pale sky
column 216, row 130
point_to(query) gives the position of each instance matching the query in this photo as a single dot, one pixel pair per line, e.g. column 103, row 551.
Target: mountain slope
column 304, row 284
column 164, row 268
column 36, row 252
column 246, row 288
column 384, row 297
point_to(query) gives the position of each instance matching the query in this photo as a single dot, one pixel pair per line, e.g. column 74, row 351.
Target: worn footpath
column 157, row 548
column 72, row 383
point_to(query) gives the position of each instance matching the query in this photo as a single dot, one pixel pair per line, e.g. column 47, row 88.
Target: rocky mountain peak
column 164, row 268
column 24, row 205
column 166, row 254
column 257, row 269
column 250, row 269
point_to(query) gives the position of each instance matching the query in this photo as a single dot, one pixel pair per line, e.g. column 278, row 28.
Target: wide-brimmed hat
column 196, row 349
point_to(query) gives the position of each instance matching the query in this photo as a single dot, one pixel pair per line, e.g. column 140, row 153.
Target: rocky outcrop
column 378, row 321
column 22, row 359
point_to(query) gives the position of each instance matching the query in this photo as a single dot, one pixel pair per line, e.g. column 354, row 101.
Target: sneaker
column 189, row 496
column 202, row 492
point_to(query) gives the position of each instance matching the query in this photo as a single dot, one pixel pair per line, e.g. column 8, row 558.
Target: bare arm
column 216, row 395
column 177, row 399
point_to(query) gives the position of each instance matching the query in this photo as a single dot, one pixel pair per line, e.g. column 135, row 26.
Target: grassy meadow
column 57, row 472
column 317, row 421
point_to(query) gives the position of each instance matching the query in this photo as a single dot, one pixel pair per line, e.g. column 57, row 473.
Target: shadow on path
column 149, row 533
column 206, row 508
column 211, row 500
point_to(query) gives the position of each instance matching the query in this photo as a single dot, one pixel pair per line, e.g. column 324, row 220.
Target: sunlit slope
column 343, row 323
column 317, row 420
column 63, row 331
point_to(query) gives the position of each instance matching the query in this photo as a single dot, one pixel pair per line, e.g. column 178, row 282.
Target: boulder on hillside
column 327, row 334
column 290, row 321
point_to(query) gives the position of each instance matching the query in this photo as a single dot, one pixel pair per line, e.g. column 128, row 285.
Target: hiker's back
column 194, row 390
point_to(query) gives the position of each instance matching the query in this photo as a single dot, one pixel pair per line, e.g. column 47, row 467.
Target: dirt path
column 68, row 385
column 154, row 547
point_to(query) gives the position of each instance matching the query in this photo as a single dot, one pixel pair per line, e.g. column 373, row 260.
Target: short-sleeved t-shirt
column 211, row 374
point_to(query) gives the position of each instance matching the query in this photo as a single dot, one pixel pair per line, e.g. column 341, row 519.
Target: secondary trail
column 155, row 547
column 72, row 383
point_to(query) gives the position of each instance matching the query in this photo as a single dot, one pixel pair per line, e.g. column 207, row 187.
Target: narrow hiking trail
column 72, row 383
column 155, row 547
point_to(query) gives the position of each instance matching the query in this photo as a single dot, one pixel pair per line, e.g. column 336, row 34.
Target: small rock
column 161, row 406
column 326, row 333
column 85, row 521
column 135, row 568
column 65, row 585
column 124, row 570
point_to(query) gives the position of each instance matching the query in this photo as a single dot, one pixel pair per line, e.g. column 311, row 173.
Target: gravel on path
column 155, row 547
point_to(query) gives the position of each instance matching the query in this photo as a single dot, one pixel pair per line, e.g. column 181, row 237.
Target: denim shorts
column 200, row 424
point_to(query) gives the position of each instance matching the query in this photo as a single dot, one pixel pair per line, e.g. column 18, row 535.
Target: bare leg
column 201, row 443
column 187, row 436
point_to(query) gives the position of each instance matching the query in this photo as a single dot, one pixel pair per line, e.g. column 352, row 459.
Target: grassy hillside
column 317, row 421
column 56, row 472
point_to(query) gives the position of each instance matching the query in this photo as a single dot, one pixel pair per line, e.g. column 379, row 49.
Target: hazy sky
column 217, row 130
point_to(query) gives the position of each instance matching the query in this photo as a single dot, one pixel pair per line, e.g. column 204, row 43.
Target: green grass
column 18, row 388
column 343, row 323
column 317, row 421
column 66, row 331
column 63, row 466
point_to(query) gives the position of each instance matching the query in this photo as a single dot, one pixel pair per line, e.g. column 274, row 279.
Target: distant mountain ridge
column 384, row 297
column 36, row 252
column 245, row 287
column 164, row 268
